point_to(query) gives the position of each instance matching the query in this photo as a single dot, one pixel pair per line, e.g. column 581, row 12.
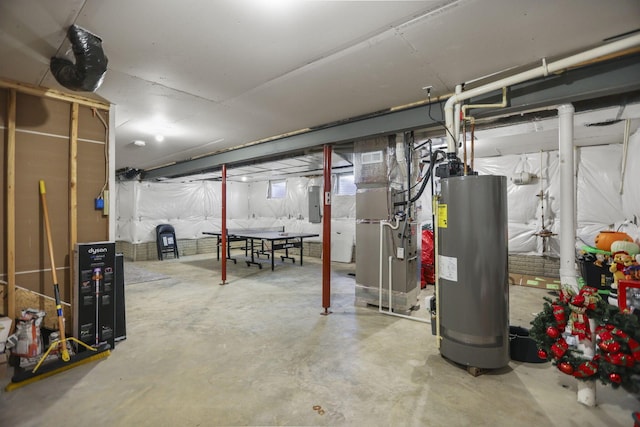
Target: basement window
column 277, row 189
column 346, row 186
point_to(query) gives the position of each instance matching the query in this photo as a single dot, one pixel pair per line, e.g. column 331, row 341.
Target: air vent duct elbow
column 88, row 71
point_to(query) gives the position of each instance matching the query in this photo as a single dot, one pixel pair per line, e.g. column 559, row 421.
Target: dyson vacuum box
column 94, row 297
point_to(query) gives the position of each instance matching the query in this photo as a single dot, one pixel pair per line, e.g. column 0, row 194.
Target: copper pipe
column 464, row 145
column 473, row 128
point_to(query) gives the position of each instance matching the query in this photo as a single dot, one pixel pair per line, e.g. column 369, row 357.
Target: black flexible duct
column 88, row 71
column 425, row 180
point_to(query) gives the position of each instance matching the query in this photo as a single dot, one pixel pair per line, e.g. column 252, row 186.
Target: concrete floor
column 258, row 352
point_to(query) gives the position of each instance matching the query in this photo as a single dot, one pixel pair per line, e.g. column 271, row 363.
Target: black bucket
column 522, row 347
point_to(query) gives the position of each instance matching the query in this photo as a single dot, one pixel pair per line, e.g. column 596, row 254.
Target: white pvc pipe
column 567, row 233
column 568, row 276
column 541, row 71
column 380, row 310
column 393, row 227
column 456, row 119
column 625, row 148
column 501, row 104
column 587, row 389
column 390, row 279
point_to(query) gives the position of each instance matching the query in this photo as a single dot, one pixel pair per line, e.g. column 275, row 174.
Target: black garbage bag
column 88, row 71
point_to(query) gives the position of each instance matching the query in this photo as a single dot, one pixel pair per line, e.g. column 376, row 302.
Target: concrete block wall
column 187, row 247
column 206, row 245
column 126, row 249
column 137, row 252
column 534, row 265
column 313, row 249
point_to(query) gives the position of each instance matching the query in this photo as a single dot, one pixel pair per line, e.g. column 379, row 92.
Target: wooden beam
column 53, row 94
column 73, row 193
column 11, row 205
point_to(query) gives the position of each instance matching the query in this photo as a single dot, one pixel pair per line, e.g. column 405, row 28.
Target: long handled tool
column 64, row 352
column 66, row 361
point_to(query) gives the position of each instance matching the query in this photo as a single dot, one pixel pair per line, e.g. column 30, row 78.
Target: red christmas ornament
column 566, row 368
column 559, row 348
column 621, row 359
column 604, row 346
column 614, row 347
column 553, row 332
column 616, row 359
column 577, row 300
column 615, row 378
column 586, row 369
column 560, row 315
column 542, row 354
column 605, row 335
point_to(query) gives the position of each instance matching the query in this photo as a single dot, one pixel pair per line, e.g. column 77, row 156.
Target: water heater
column 473, row 270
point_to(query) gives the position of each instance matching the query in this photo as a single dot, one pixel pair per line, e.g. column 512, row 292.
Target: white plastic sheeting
column 524, row 204
column 293, row 205
column 194, row 207
column 599, row 206
column 191, row 207
column 631, row 189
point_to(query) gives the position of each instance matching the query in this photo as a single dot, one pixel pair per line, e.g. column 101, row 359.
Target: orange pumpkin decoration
column 604, row 239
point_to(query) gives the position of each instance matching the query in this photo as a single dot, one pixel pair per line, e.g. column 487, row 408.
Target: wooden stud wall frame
column 61, row 139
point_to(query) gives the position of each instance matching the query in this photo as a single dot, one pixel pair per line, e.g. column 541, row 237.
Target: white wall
column 194, row 207
column 191, row 207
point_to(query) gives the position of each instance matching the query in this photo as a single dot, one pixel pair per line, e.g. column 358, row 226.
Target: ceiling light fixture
column 159, row 138
column 139, row 143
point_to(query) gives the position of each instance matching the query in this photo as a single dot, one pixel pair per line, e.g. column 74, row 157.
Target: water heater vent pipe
column 534, row 73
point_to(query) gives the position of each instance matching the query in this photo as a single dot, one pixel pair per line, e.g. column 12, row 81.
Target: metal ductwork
column 90, row 65
column 386, row 235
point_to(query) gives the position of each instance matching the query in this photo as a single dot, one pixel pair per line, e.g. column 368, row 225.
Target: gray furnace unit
column 473, row 270
column 381, row 169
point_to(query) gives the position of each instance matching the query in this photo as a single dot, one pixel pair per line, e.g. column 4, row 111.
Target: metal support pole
column 223, row 231
column 326, row 233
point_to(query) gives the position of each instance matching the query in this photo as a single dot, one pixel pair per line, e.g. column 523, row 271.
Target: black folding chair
column 166, row 241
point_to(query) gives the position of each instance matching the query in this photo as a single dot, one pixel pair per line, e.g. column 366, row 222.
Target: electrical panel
column 314, row 204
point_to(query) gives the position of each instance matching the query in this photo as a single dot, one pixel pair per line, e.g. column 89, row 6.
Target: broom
column 66, row 361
